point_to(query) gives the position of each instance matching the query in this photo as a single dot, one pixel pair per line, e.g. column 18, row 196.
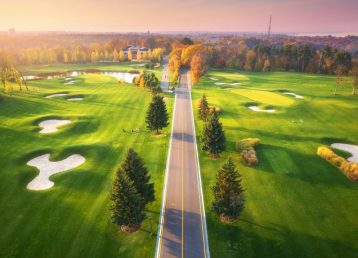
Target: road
column 182, row 226
column 164, row 82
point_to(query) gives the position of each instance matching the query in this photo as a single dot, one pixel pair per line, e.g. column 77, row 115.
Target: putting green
column 264, row 97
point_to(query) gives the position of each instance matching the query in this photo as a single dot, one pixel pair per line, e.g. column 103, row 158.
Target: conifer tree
column 213, row 136
column 127, row 204
column 157, row 115
column 204, row 109
column 135, row 169
column 228, row 193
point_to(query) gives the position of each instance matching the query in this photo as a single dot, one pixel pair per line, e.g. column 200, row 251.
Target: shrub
column 249, row 157
column 247, row 151
column 349, row 169
column 247, row 143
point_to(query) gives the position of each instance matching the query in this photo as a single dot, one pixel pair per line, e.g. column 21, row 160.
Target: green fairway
column 72, row 219
column 297, row 204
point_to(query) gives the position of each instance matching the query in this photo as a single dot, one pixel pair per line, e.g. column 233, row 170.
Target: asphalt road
column 182, row 231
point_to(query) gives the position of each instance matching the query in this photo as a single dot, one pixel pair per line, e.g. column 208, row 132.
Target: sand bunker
column 70, row 82
column 294, row 95
column 48, row 168
column 50, row 126
column 56, row 95
column 257, row 109
column 75, row 99
column 353, row 149
column 226, row 83
column 213, row 78
column 137, row 65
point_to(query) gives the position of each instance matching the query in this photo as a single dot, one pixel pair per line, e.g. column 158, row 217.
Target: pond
column 122, row 76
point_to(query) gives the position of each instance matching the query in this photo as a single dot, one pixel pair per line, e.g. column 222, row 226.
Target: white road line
column 164, row 194
column 199, row 176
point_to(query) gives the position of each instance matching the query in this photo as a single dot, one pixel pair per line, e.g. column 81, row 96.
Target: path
column 164, row 82
column 182, row 228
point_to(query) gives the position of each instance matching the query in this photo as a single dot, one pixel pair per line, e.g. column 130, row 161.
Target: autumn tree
column 213, row 136
column 122, row 56
column 197, row 67
column 340, row 71
column 130, row 55
column 139, row 55
column 157, row 115
column 127, row 205
column 228, row 193
column 204, row 109
column 133, row 166
column 115, row 55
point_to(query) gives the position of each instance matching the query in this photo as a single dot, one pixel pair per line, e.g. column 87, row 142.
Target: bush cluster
column 349, row 169
column 147, row 80
column 247, row 151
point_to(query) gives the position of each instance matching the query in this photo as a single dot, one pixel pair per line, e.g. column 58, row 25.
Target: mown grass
column 72, row 219
column 297, row 204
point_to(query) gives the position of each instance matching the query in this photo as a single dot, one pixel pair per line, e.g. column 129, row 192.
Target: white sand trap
column 137, row 65
column 353, row 149
column 226, row 83
column 75, row 99
column 68, row 78
column 70, row 82
column 50, row 126
column 48, row 168
column 213, row 78
column 257, row 109
column 56, row 95
column 293, row 94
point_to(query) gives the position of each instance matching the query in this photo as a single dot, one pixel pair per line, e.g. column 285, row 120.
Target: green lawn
column 72, row 219
column 297, row 204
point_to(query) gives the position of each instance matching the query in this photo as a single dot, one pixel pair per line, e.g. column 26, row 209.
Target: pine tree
column 213, row 136
column 228, row 193
column 204, row 109
column 157, row 115
column 134, row 168
column 127, row 204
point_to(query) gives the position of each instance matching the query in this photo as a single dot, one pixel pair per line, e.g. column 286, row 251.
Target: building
column 134, row 50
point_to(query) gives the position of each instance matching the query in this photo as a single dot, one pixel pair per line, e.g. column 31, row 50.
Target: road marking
column 164, row 193
column 202, row 204
column 182, row 185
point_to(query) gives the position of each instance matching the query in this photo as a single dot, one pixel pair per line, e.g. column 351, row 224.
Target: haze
column 295, row 16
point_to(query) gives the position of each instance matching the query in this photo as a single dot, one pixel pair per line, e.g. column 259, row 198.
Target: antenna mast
column 269, row 28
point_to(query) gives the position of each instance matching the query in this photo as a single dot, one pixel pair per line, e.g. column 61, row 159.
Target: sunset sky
column 297, row 16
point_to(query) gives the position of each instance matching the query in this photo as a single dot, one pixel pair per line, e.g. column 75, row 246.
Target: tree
column 136, row 171
column 204, row 109
column 130, row 56
column 197, row 67
column 355, row 79
column 122, row 57
column 213, row 136
column 187, row 41
column 115, row 55
column 157, row 115
column 139, row 55
column 127, row 204
column 340, row 71
column 228, row 193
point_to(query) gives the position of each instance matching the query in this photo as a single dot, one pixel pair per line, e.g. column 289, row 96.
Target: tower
column 269, row 28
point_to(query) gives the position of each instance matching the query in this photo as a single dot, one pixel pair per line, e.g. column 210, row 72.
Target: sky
column 289, row 16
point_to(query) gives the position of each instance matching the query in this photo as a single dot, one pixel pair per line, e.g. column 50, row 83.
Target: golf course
column 296, row 203
column 88, row 125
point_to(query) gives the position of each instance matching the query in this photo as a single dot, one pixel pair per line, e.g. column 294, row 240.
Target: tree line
column 76, row 54
column 260, row 58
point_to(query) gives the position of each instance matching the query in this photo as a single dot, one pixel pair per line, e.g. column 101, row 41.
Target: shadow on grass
column 245, row 238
